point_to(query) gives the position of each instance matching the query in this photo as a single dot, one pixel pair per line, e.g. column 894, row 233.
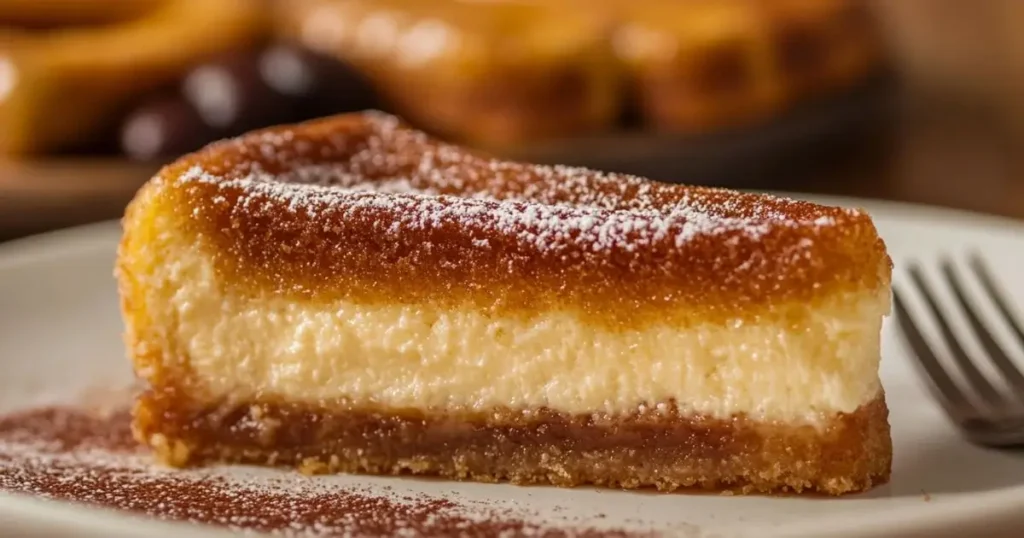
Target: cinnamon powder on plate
column 84, row 456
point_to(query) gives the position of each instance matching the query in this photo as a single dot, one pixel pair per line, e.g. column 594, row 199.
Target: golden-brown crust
column 847, row 453
column 496, row 235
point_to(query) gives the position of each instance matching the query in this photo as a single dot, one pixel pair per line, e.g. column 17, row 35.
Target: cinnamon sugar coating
column 362, row 207
column 654, row 447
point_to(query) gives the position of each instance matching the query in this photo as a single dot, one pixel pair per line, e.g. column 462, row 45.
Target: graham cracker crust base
column 848, row 453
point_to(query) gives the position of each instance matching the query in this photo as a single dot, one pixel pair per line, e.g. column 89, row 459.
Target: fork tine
column 999, row 357
column 998, row 298
column 981, row 385
column 950, row 396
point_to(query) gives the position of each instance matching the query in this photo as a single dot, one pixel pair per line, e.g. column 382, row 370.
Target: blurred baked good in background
column 505, row 72
column 154, row 78
column 490, row 73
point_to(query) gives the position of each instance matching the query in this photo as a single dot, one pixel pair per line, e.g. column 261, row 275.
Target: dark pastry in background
column 317, row 85
column 165, row 125
column 239, row 91
column 230, row 95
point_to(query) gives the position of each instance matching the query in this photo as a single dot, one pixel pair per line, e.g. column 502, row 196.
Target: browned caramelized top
column 362, row 207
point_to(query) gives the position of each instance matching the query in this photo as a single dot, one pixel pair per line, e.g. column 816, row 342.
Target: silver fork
column 986, row 415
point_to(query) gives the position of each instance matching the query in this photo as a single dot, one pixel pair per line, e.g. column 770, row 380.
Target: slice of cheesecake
column 351, row 295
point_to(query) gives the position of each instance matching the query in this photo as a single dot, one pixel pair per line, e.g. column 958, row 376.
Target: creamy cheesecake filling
column 425, row 357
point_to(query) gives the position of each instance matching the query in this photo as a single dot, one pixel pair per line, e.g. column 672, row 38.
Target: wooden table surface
column 944, row 156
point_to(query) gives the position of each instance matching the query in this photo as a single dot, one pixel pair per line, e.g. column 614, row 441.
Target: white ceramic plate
column 60, row 332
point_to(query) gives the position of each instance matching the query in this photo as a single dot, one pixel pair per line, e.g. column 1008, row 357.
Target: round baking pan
column 46, row 194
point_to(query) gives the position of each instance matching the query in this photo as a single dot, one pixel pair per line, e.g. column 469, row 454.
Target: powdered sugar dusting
column 419, row 183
